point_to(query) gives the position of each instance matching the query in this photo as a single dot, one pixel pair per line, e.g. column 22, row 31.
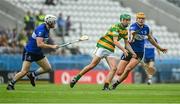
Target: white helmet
column 50, row 19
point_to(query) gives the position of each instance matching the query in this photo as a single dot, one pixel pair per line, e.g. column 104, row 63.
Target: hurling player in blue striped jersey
column 138, row 31
column 33, row 52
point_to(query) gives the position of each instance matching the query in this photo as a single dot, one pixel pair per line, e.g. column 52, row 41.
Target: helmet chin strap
column 49, row 25
column 123, row 24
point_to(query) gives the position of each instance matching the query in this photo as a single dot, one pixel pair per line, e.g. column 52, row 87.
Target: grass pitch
column 50, row 93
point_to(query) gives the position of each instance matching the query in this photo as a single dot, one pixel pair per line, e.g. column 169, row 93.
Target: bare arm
column 158, row 51
column 153, row 42
column 132, row 36
column 41, row 44
column 128, row 47
column 131, row 39
column 117, row 44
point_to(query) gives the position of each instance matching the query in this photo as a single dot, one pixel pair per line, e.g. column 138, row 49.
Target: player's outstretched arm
column 41, row 44
column 153, row 42
column 129, row 48
column 117, row 44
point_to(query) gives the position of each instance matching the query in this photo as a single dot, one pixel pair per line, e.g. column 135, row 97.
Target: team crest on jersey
column 40, row 33
column 139, row 37
column 144, row 32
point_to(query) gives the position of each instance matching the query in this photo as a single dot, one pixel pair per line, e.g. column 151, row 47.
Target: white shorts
column 102, row 53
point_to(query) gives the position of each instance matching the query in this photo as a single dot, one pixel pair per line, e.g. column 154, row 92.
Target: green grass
column 50, row 93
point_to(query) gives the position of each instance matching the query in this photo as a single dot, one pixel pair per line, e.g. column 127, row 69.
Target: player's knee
column 152, row 67
column 48, row 69
column 119, row 73
column 24, row 72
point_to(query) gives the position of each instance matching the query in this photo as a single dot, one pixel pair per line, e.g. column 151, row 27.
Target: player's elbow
column 116, row 42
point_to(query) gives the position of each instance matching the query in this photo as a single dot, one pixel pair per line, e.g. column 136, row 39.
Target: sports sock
column 149, row 76
column 13, row 82
column 78, row 77
column 117, row 83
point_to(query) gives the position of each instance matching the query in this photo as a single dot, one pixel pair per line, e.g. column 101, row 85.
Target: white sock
column 149, row 76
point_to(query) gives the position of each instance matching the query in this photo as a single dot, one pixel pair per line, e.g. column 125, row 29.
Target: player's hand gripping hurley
column 82, row 38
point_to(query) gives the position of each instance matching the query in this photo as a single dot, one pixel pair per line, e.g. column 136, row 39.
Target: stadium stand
column 94, row 17
column 175, row 2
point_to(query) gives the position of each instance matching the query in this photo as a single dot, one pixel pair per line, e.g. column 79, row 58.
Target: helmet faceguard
column 126, row 17
column 50, row 20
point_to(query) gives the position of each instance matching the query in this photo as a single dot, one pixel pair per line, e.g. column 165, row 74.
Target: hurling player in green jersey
column 105, row 49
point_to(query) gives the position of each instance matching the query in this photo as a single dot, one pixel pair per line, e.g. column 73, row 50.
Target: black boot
column 32, row 79
column 10, row 87
column 106, row 87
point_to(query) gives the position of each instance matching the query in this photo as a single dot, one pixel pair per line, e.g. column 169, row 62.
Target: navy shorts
column 29, row 56
column 147, row 60
column 128, row 58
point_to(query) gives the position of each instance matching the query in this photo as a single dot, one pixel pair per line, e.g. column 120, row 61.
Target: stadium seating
column 96, row 16
column 175, row 2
